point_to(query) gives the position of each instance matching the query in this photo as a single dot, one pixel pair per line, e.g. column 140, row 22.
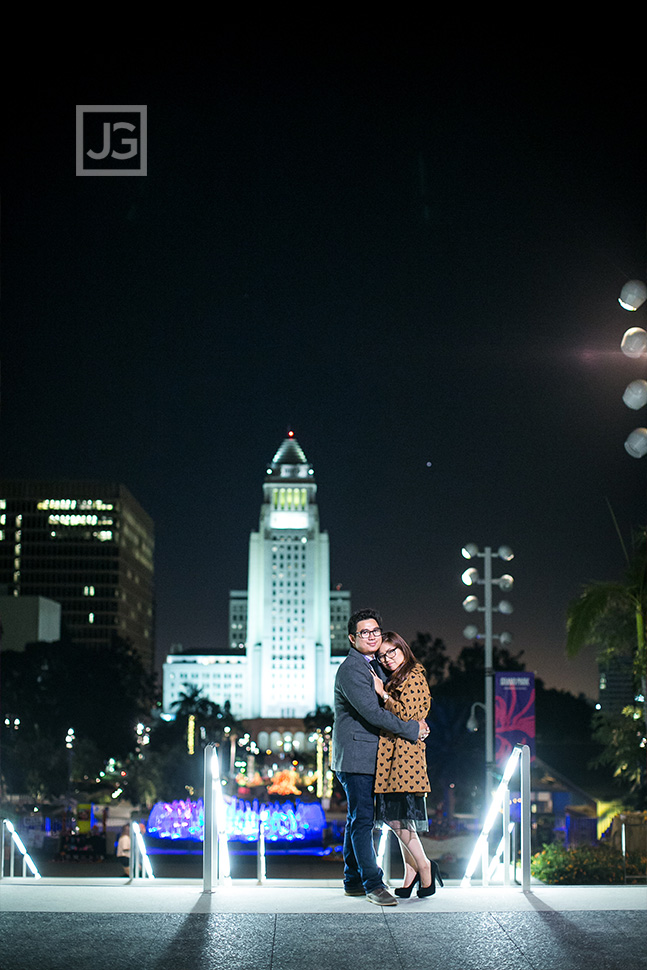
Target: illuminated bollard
column 261, row 865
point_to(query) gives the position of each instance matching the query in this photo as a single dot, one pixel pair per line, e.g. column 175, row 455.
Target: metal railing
column 261, row 860
column 637, row 829
column 500, row 806
column 16, row 845
column 215, row 857
column 216, row 865
column 140, row 863
column 216, row 869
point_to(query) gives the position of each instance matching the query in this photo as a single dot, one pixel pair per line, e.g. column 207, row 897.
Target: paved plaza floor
column 171, row 924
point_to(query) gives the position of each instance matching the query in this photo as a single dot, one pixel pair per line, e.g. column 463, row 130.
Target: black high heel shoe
column 435, row 877
column 405, row 891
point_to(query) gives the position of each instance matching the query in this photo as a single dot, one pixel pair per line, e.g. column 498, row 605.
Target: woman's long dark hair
column 399, row 676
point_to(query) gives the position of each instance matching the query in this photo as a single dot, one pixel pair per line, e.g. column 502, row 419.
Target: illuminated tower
column 288, row 595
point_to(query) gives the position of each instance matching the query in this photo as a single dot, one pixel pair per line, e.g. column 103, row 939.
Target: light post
column 70, row 738
column 322, row 739
column 471, row 604
column 634, row 345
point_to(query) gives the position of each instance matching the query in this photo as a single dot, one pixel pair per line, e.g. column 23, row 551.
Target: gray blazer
column 359, row 717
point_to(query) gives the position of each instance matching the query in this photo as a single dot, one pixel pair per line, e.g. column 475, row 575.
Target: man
column 358, row 720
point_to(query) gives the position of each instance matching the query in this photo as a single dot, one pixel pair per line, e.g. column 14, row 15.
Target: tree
column 192, row 701
column 471, row 660
column 611, row 617
column 576, row 755
column 51, row 687
column 432, row 654
column 319, row 719
column 623, row 750
column 213, row 722
column 455, row 755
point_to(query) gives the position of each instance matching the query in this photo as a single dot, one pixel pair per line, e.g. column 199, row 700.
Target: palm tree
column 611, row 615
column 193, row 701
column 212, row 722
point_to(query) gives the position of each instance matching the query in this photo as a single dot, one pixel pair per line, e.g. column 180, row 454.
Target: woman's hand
column 379, row 686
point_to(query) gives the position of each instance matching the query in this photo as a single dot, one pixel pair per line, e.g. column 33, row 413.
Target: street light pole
column 634, row 345
column 471, row 604
column 70, row 738
column 489, row 685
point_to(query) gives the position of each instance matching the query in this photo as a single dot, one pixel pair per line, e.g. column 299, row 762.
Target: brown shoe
column 382, row 897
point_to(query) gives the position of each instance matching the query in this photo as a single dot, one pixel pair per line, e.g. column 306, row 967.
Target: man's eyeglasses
column 388, row 654
column 365, row 634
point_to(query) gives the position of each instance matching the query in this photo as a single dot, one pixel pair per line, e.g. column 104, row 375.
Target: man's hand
column 423, row 730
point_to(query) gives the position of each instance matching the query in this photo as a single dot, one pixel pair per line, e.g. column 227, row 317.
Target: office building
column 28, row 619
column 87, row 545
column 220, row 678
column 616, row 684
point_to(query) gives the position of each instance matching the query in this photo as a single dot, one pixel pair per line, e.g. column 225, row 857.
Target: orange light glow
column 284, row 783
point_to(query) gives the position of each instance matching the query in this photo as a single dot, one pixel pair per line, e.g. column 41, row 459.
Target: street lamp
column 632, row 295
column 471, row 605
column 634, row 345
column 472, row 724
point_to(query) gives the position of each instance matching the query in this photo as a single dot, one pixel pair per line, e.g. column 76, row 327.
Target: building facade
column 288, row 594
column 339, row 617
column 220, row 677
column 288, row 629
column 28, row 619
column 616, row 685
column 87, row 545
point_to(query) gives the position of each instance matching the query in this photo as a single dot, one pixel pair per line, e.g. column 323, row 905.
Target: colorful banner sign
column 84, row 818
column 514, row 713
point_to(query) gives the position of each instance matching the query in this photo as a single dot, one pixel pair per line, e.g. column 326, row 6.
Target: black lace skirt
column 407, row 810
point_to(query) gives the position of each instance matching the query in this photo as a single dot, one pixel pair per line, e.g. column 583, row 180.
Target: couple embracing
column 381, row 701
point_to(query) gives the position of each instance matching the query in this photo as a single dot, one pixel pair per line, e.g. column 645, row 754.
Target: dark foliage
column 52, row 687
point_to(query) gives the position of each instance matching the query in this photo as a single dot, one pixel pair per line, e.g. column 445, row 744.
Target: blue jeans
column 360, row 862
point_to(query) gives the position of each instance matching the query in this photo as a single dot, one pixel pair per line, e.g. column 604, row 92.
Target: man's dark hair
column 362, row 615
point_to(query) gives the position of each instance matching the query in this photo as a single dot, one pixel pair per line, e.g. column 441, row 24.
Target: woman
column 401, row 780
column 123, row 848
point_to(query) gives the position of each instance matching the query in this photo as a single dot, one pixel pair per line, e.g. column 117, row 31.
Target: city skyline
column 410, row 257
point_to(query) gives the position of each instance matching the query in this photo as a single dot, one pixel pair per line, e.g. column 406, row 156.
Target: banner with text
column 514, row 713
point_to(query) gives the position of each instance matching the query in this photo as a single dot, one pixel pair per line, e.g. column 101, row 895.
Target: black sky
column 409, row 255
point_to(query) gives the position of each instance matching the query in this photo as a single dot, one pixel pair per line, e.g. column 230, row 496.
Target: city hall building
column 288, row 629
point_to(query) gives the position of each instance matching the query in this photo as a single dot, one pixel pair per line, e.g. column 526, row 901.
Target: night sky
column 408, row 254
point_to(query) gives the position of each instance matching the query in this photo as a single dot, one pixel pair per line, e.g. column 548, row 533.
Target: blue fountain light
column 284, row 821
